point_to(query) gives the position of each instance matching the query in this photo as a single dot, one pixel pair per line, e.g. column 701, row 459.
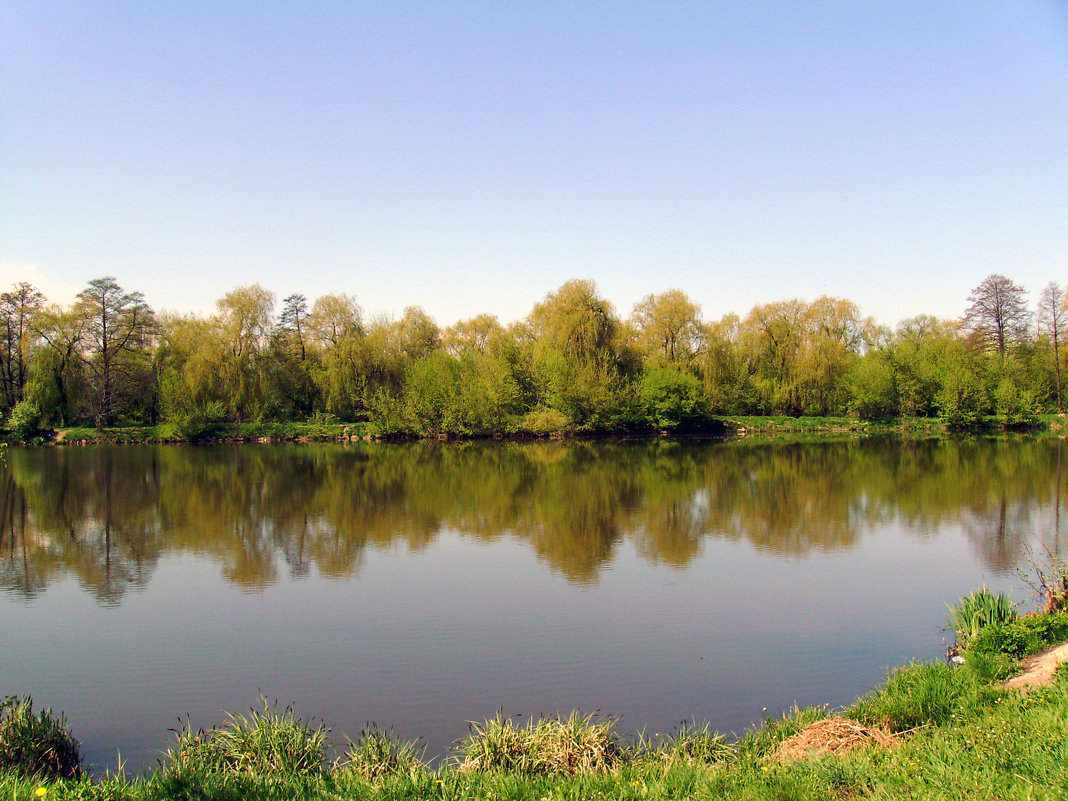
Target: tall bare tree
column 117, row 323
column 998, row 314
column 17, row 311
column 1052, row 317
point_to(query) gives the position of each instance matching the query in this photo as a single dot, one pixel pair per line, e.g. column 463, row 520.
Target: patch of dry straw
column 831, row 736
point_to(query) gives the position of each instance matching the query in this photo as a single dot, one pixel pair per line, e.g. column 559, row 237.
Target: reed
column 270, row 742
column 972, row 613
column 379, row 753
column 549, row 746
column 36, row 744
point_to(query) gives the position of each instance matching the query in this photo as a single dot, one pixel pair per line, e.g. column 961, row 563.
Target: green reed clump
column 379, row 753
column 36, row 744
column 260, row 743
column 972, row 613
column 549, row 746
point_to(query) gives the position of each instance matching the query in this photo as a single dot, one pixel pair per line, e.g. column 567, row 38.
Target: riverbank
column 931, row 731
column 772, row 428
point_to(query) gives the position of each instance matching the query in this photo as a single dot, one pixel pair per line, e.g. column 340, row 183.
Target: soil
column 1038, row 669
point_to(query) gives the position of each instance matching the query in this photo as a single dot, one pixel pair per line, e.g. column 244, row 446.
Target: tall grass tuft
column 379, row 753
column 549, row 746
column 974, row 612
column 267, row 743
column 693, row 746
column 36, row 744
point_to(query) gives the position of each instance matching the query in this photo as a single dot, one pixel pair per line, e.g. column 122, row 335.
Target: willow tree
column 339, row 353
column 243, row 324
column 576, row 356
column 669, row 327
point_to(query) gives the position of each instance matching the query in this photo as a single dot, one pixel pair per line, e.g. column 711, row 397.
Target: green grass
column 960, row 736
column 244, row 432
column 270, row 742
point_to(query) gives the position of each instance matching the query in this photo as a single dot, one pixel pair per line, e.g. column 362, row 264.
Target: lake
column 424, row 585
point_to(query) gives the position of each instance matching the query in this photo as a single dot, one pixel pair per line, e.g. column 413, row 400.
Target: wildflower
column 41, row 792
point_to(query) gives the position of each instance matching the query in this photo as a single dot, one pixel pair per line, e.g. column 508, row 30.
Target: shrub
column 36, row 744
column 1023, row 637
column 673, row 400
column 24, row 421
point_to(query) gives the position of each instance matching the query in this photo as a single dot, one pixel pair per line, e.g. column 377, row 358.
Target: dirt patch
column 1038, row 669
column 831, row 736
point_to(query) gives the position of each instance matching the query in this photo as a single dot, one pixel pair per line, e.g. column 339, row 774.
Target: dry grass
column 831, row 736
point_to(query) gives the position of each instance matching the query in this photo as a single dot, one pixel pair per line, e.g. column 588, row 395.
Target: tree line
column 572, row 364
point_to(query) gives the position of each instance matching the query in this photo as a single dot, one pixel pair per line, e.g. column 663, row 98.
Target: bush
column 24, row 422
column 1023, row 637
column 673, row 400
column 36, row 745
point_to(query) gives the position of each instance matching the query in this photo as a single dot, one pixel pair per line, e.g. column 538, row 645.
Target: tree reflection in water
column 106, row 515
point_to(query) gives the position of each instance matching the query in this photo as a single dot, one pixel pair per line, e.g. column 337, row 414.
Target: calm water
column 425, row 585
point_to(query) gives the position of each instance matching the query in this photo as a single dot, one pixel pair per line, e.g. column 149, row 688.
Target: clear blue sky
column 471, row 157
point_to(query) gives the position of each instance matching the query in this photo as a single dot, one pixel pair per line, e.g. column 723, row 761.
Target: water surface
column 424, row 585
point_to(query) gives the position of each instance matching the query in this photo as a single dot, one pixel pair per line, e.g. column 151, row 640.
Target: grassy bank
column 931, row 731
column 244, row 432
column 769, row 428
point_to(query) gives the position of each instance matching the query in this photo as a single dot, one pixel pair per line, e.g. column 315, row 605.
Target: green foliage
column 261, row 743
column 872, row 388
column 36, row 744
column 24, row 422
column 974, row 612
column 1016, row 407
column 673, row 400
column 544, row 421
column 1021, row 637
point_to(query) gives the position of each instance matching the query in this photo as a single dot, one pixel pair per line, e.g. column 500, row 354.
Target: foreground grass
column 959, row 737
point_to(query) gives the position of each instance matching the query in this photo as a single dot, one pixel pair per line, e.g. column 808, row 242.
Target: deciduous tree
column 1051, row 322
column 118, row 324
column 998, row 315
